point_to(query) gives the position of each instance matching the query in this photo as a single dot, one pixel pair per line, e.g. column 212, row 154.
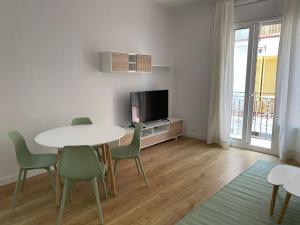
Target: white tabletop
column 80, row 135
column 280, row 174
column 293, row 185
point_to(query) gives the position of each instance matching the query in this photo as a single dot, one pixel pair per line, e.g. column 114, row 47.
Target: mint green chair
column 85, row 121
column 81, row 121
column 28, row 161
column 79, row 163
column 131, row 151
column 88, row 121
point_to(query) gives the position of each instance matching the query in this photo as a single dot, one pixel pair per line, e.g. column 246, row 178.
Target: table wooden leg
column 110, row 169
column 284, row 206
column 104, row 154
column 274, row 194
column 58, row 183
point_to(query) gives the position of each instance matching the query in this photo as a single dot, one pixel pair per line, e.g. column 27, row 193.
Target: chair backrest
column 136, row 140
column 85, row 121
column 81, row 121
column 79, row 163
column 22, row 152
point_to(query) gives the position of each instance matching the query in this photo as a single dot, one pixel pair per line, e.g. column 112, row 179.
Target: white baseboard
column 13, row 178
column 195, row 135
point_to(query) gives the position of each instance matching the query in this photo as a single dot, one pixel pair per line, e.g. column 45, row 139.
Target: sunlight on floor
column 261, row 143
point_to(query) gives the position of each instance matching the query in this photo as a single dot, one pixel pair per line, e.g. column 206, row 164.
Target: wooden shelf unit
column 156, row 132
column 112, row 62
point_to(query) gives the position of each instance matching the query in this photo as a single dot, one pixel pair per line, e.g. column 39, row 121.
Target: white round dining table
column 93, row 135
column 80, row 135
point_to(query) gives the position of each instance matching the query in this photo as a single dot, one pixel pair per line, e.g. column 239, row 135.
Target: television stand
column 156, row 132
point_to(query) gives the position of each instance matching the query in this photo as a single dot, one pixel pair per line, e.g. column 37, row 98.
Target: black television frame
column 131, row 105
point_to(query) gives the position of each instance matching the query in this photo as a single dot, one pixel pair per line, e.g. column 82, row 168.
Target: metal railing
column 237, row 116
column 262, row 115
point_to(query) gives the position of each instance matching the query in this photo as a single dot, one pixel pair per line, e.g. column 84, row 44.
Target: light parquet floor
column 181, row 174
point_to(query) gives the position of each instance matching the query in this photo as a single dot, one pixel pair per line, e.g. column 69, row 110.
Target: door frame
column 244, row 142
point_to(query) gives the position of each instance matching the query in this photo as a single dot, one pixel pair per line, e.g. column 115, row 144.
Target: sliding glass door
column 253, row 103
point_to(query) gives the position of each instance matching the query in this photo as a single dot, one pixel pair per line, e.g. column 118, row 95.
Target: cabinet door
column 144, row 63
column 176, row 128
column 119, row 62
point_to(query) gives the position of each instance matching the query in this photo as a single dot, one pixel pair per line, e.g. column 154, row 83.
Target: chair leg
column 104, row 159
column 51, row 178
column 17, row 187
column 94, row 183
column 104, row 186
column 274, row 194
column 71, row 192
column 115, row 166
column 98, row 154
column 24, row 179
column 63, row 201
column 284, row 207
column 137, row 165
column 55, row 168
column 143, row 171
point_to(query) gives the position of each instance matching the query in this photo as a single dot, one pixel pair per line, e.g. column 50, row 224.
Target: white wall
column 49, row 64
column 193, row 34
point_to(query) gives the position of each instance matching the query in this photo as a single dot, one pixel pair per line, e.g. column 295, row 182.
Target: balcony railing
column 262, row 115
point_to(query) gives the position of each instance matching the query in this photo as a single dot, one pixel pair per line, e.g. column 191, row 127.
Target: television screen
column 149, row 106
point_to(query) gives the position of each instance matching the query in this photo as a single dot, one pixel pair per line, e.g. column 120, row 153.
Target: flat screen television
column 149, row 106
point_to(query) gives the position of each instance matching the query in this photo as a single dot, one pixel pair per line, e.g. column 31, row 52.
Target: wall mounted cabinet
column 143, row 63
column 112, row 62
column 119, row 62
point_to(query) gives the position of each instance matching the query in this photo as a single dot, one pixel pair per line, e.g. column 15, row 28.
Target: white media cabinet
column 156, row 132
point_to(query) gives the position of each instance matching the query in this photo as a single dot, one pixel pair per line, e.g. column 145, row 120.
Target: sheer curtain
column 287, row 120
column 221, row 74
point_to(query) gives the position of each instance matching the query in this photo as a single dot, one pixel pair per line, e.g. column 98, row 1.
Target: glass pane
column 240, row 72
column 265, row 85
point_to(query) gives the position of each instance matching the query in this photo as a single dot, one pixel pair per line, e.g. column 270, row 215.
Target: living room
column 202, row 95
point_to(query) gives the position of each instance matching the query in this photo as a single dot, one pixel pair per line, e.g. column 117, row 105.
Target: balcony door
column 253, row 103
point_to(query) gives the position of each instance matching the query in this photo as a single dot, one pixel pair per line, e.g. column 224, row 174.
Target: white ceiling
column 175, row 3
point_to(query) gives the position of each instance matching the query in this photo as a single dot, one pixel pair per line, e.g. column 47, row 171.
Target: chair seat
column 124, row 152
column 280, row 174
column 40, row 161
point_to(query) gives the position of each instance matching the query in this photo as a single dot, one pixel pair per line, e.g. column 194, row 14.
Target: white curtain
column 221, row 74
column 287, row 120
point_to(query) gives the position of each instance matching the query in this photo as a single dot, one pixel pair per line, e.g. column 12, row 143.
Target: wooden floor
column 181, row 174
